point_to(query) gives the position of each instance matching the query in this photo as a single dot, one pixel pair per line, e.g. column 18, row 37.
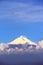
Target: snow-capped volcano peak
column 22, row 40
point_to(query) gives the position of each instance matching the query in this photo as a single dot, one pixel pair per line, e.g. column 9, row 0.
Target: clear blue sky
column 21, row 17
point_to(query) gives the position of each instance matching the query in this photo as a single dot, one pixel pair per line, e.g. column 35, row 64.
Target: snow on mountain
column 20, row 45
column 23, row 40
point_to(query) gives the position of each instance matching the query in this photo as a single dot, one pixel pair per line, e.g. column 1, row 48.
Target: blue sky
column 21, row 17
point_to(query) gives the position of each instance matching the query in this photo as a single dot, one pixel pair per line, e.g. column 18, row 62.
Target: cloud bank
column 12, row 54
column 21, row 48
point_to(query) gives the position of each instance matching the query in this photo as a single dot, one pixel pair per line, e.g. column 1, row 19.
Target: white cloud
column 3, row 46
column 22, row 11
column 6, row 49
column 40, row 43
